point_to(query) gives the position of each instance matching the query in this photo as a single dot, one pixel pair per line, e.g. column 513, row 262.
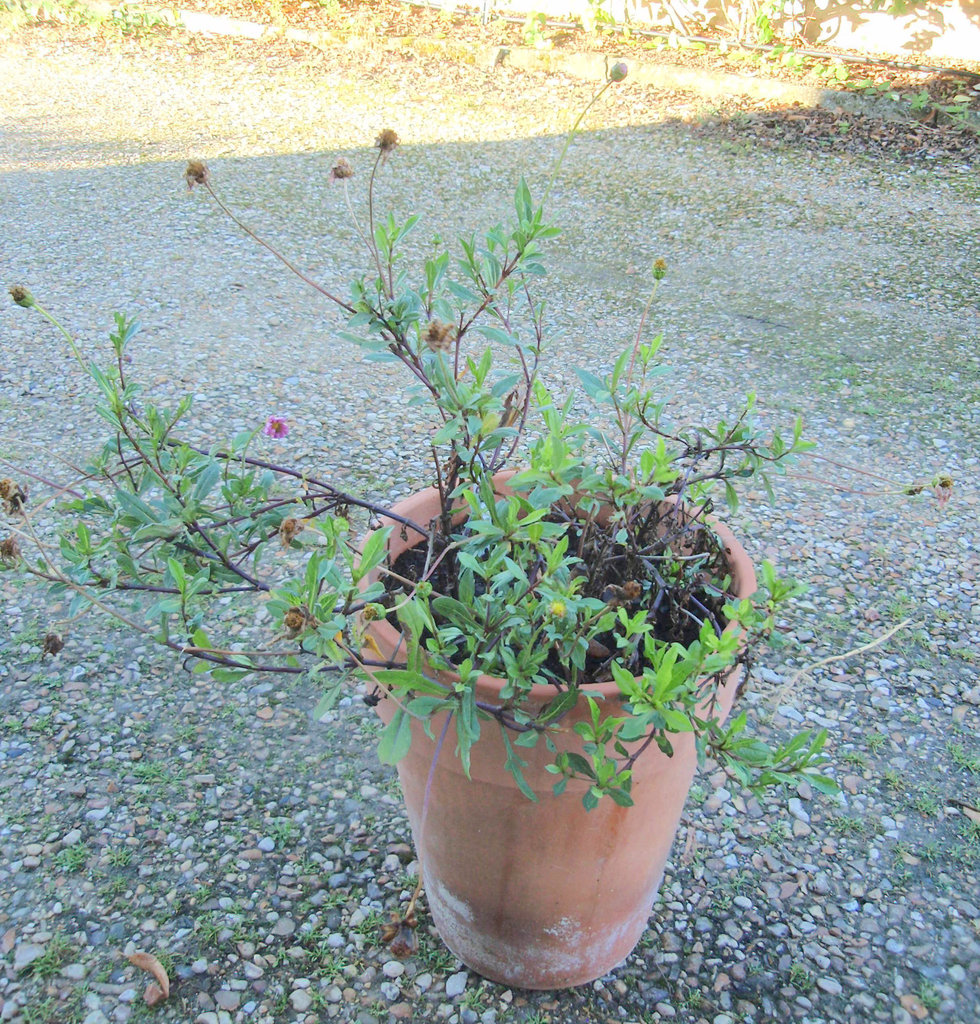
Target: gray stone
column 226, row 1000
column 390, row 991
column 456, row 984
column 25, row 953
column 798, row 811
column 301, row 1000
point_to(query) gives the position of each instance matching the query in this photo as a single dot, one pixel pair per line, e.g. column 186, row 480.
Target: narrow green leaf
column 396, row 738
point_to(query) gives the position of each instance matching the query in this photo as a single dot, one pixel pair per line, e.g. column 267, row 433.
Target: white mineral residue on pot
column 567, row 928
column 453, row 904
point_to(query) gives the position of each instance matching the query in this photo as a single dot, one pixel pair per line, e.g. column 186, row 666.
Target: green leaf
column 522, row 202
column 593, row 386
column 563, row 703
column 168, row 530
column 403, row 680
column 461, row 292
column 134, row 507
column 514, row 765
column 396, row 738
column 372, row 553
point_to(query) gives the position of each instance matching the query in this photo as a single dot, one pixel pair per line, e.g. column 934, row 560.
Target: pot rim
column 389, row 639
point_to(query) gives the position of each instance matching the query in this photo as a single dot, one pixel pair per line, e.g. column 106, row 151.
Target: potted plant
column 553, row 633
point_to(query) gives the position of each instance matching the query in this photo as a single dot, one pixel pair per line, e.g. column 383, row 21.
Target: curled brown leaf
column 158, row 989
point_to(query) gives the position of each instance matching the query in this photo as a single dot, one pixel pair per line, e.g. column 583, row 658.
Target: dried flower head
column 400, row 936
column 9, row 550
column 289, row 530
column 618, row 71
column 197, row 173
column 276, row 426
column 942, row 488
column 22, row 296
column 617, row 597
column 659, row 269
column 341, row 169
column 439, row 336
column 386, row 142
column 51, row 644
column 13, row 496
column 371, row 612
column 297, row 620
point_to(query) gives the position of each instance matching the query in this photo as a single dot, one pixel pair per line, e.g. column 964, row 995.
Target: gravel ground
column 255, row 850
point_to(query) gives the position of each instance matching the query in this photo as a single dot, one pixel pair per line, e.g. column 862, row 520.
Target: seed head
column 13, row 496
column 618, row 597
column 9, row 550
column 289, row 530
column 618, row 71
column 659, row 269
column 297, row 620
column 197, row 173
column 439, row 336
column 22, row 296
column 341, row 169
column 51, row 644
column 386, row 142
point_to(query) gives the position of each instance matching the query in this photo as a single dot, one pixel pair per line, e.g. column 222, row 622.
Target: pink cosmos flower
column 276, row 426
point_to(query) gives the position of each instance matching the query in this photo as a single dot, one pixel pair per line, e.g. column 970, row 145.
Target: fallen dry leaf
column 688, row 855
column 914, row 1006
column 159, row 989
column 154, row 994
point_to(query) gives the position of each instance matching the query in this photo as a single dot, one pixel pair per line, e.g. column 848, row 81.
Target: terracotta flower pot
column 539, row 895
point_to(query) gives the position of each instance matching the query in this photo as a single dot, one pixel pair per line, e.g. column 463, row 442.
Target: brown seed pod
column 197, row 173
column 439, row 336
column 386, row 142
column 289, row 530
column 9, row 550
column 51, row 644
column 22, row 296
column 341, row 169
column 297, row 620
column 14, row 497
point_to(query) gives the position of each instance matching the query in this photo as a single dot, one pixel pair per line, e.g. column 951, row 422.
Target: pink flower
column 276, row 426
